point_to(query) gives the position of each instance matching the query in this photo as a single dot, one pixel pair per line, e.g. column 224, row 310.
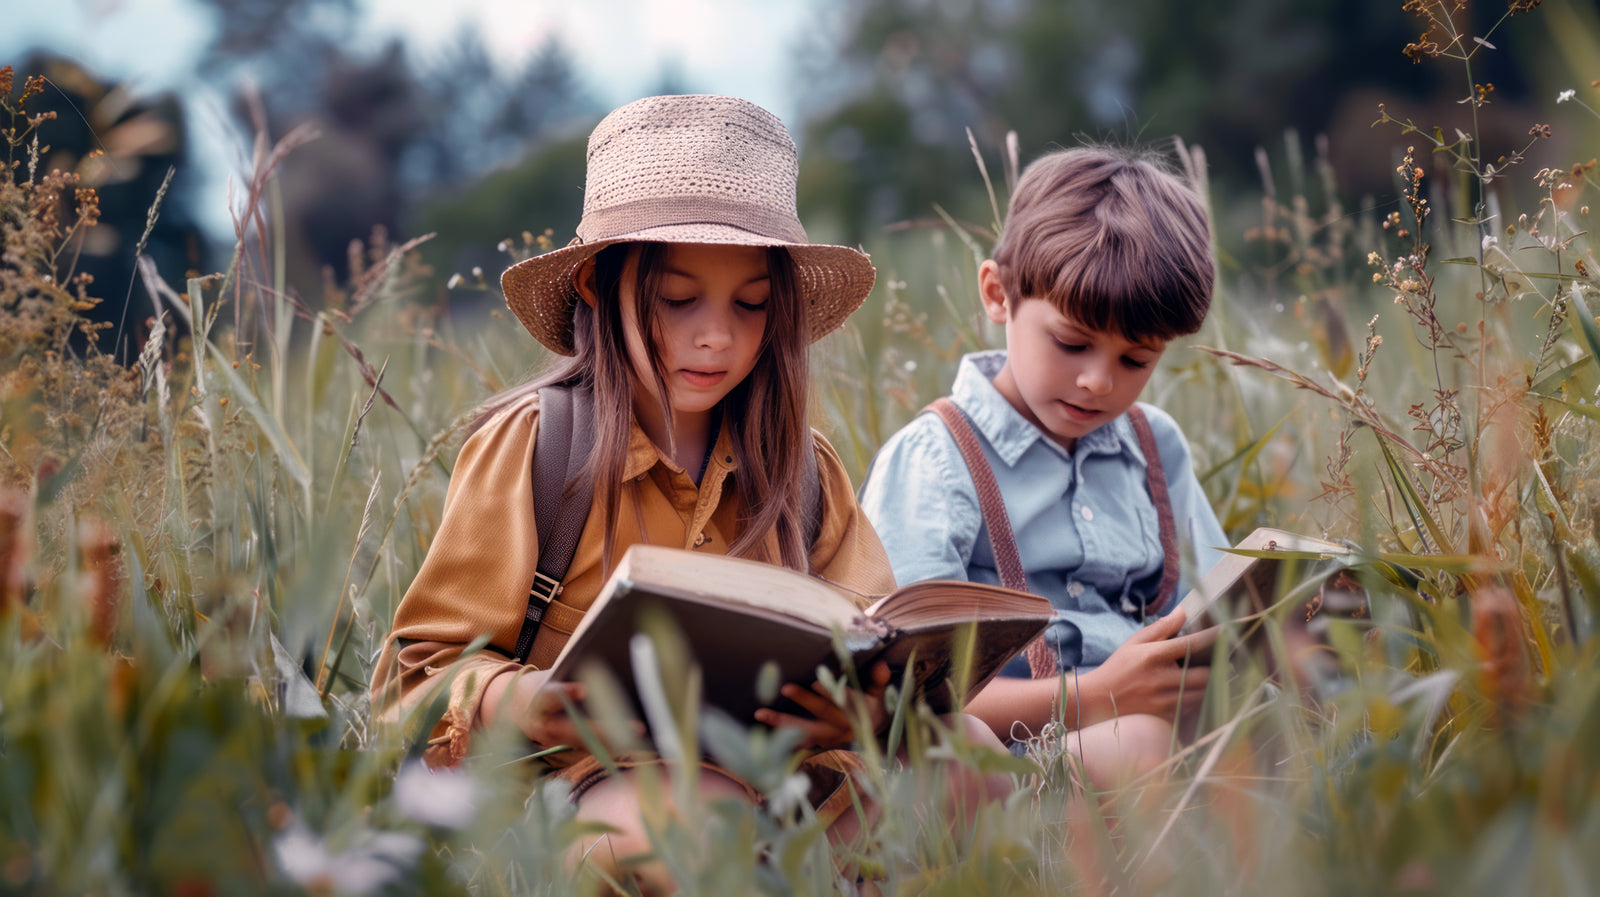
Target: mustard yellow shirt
column 475, row 578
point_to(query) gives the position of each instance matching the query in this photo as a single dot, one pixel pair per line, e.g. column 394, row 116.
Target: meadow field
column 201, row 550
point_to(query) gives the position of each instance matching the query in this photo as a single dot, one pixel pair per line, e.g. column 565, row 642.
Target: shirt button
column 1087, row 513
column 700, row 540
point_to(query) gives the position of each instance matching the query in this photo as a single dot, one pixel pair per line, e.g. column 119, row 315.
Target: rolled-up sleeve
column 472, row 583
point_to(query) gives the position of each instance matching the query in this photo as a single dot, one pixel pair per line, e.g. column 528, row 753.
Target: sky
column 622, row 47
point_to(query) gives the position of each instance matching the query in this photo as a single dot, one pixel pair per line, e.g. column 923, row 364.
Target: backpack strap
column 1156, row 481
column 1042, row 659
column 561, row 496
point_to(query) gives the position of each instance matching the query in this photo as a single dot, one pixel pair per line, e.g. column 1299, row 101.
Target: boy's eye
column 1135, row 363
column 1071, row 347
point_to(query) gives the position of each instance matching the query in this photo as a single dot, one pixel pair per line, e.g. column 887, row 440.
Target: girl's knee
column 623, row 852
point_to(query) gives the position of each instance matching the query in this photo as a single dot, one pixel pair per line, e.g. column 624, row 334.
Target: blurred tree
column 123, row 146
column 397, row 130
column 889, row 99
column 286, row 46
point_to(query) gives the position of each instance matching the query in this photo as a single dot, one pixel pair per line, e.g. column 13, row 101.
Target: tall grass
column 201, row 554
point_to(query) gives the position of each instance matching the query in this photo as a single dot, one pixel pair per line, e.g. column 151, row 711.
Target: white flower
column 911, row 365
column 379, row 859
column 453, row 282
column 1490, row 241
column 787, row 796
column 446, row 798
column 1565, row 95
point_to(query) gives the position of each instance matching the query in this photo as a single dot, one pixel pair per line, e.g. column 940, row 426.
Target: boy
column 1105, row 257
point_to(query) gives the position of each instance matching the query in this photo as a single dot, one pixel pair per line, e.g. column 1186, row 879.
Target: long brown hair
column 766, row 412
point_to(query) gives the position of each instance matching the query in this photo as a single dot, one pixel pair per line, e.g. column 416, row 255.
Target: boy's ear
column 993, row 292
column 583, row 279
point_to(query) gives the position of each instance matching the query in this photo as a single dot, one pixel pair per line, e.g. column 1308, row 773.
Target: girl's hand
column 830, row 725
column 534, row 704
column 1148, row 673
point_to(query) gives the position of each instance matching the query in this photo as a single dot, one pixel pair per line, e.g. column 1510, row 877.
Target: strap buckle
column 544, row 588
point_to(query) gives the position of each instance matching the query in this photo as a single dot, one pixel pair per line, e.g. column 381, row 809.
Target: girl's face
column 709, row 328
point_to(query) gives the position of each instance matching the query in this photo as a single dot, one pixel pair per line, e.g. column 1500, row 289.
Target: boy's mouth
column 702, row 379
column 1078, row 412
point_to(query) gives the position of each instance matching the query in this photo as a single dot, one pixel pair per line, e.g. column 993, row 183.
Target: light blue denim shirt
column 1084, row 521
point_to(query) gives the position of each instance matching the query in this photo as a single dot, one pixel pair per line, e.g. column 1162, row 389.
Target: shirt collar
column 644, row 454
column 1011, row 434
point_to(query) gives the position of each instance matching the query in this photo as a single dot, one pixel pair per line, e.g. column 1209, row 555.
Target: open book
column 1301, row 581
column 1268, row 566
column 738, row 616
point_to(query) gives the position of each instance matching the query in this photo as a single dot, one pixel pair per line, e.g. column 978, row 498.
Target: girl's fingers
column 816, row 702
column 878, row 679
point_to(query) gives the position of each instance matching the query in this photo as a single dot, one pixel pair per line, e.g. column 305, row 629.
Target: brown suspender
column 1003, row 541
column 1155, row 479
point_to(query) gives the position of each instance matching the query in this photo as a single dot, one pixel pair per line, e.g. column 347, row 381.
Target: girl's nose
column 714, row 329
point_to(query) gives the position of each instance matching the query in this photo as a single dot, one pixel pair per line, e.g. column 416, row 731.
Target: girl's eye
column 671, row 302
column 753, row 306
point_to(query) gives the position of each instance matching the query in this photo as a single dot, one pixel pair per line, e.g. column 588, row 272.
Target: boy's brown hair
column 1114, row 239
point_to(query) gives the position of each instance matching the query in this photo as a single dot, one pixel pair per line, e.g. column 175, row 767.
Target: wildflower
column 1541, row 131
column 453, row 282
column 378, row 860
column 1490, row 241
column 1565, row 95
column 446, row 798
column 789, row 793
column 503, row 246
column 911, row 365
column 477, row 272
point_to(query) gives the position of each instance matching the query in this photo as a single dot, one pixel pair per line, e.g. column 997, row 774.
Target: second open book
column 1264, row 569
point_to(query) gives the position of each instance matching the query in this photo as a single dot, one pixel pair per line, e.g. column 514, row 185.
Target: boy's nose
column 1094, row 378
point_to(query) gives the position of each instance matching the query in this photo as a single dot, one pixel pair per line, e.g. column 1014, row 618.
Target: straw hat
column 688, row 169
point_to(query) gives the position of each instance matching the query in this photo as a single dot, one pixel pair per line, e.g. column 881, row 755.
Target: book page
column 945, row 602
column 733, row 580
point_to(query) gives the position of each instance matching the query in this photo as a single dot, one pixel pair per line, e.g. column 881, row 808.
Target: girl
column 686, row 303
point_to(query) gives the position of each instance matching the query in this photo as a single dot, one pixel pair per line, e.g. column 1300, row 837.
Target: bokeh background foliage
column 225, row 458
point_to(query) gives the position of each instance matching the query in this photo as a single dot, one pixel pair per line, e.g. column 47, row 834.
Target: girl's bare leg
column 623, row 854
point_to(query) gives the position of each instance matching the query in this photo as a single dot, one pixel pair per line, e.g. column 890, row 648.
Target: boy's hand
column 1148, row 673
column 831, row 725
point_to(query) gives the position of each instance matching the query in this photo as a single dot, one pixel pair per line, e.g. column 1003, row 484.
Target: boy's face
column 1066, row 378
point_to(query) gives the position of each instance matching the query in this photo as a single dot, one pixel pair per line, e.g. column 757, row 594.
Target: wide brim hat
column 688, row 169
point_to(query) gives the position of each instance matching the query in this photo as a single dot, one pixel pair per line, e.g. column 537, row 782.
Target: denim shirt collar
column 1010, row 434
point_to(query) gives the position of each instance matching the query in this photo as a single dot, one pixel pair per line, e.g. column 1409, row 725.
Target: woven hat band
column 663, row 211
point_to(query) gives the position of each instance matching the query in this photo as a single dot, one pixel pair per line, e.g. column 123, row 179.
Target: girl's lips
column 702, row 379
